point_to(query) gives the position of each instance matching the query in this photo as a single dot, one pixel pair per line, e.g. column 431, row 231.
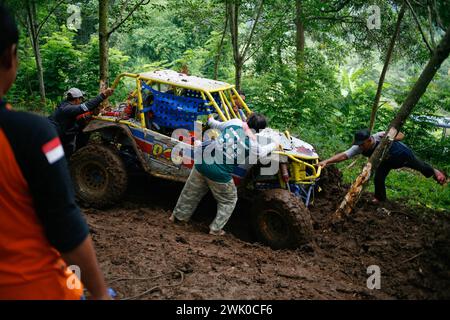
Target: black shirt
column 34, row 143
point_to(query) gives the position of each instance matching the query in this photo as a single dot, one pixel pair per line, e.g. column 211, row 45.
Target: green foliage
column 323, row 100
column 87, row 79
column 61, row 62
column 406, row 186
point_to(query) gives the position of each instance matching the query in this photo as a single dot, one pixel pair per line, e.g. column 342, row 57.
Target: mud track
column 141, row 252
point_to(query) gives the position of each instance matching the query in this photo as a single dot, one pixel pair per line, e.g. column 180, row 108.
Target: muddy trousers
column 386, row 166
column 196, row 188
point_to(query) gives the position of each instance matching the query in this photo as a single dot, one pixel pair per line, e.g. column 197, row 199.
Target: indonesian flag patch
column 53, row 150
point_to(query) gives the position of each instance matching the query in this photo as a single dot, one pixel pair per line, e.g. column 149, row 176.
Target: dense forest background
column 311, row 66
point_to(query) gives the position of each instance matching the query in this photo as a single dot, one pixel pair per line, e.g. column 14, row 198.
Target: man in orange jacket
column 41, row 227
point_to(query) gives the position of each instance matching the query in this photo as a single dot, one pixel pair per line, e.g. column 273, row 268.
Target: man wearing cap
column 68, row 113
column 399, row 156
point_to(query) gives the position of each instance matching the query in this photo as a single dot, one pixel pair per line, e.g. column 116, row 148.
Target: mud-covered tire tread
column 294, row 212
column 114, row 166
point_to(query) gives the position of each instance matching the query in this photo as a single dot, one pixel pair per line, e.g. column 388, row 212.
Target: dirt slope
column 139, row 251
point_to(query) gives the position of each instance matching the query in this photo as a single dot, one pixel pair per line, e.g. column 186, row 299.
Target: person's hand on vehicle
column 96, row 111
column 322, row 164
column 107, row 92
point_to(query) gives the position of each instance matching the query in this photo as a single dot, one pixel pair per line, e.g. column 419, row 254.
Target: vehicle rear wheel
column 281, row 220
column 99, row 176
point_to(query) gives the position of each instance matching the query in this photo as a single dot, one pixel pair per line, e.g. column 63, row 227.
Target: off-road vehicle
column 142, row 131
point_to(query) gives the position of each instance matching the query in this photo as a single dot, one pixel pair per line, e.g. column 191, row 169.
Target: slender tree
column 299, row 42
column 220, row 47
column 34, row 28
column 387, row 61
column 241, row 55
column 104, row 32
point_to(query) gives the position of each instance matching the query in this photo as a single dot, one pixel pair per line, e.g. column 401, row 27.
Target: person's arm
column 77, row 109
column 243, row 116
column 259, row 145
column 84, row 257
column 214, row 124
column 41, row 158
column 262, row 150
column 334, row 159
column 400, row 136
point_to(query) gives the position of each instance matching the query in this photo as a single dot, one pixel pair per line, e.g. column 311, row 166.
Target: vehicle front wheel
column 281, row 220
column 99, row 176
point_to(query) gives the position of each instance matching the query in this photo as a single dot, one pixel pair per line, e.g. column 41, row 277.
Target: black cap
column 361, row 136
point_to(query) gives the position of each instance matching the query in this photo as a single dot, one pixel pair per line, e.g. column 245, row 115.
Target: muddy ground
column 144, row 256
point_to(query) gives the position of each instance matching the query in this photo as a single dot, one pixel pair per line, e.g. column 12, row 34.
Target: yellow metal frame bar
column 122, row 75
column 140, row 104
column 247, row 109
column 185, row 86
column 228, row 104
column 316, row 172
column 148, row 80
column 225, row 106
column 103, row 118
column 232, row 104
column 216, row 106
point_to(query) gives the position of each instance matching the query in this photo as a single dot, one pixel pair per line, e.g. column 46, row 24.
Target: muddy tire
column 99, row 176
column 281, row 220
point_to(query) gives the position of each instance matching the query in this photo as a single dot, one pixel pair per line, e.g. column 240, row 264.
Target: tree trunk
column 300, row 43
column 385, row 67
column 103, row 42
column 238, row 75
column 440, row 54
column 233, row 14
column 220, row 48
column 240, row 57
column 34, row 37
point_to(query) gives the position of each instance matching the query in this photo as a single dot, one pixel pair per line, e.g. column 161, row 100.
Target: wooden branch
column 252, row 32
column 385, row 67
column 122, row 10
column 352, row 196
column 219, row 50
column 353, row 19
column 47, row 17
column 119, row 24
column 430, row 22
column 268, row 36
column 30, row 22
column 438, row 17
column 419, row 26
column 418, row 3
column 340, row 6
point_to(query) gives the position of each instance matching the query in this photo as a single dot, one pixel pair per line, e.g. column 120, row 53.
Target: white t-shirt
column 355, row 150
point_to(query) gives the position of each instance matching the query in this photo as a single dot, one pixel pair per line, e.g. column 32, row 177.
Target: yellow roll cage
column 226, row 93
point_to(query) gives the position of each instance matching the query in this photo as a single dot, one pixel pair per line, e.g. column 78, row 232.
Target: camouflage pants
column 196, row 188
